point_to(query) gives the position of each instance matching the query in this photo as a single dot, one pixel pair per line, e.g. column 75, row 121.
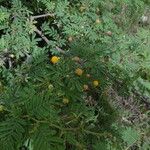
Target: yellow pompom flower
column 95, row 83
column 54, row 59
column 70, row 39
column 88, row 75
column 85, row 87
column 65, row 100
column 50, row 87
column 79, row 71
column 11, row 55
column 76, row 58
column 98, row 21
column 82, row 8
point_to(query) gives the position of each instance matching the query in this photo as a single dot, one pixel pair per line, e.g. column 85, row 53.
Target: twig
column 42, row 35
column 40, row 32
column 41, row 16
column 47, row 41
column 97, row 134
column 60, row 50
column 51, row 124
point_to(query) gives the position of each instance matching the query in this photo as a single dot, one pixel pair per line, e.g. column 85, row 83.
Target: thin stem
column 47, row 41
column 68, row 129
column 41, row 16
column 40, row 32
column 60, row 50
column 51, row 124
column 42, row 35
column 97, row 134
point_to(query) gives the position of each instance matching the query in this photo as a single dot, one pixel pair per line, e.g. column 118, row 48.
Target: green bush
column 56, row 70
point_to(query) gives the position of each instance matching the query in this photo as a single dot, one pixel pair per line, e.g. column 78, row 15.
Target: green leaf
column 44, row 139
column 100, row 146
column 130, row 136
column 11, row 133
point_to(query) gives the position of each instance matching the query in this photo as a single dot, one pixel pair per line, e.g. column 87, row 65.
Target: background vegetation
column 74, row 75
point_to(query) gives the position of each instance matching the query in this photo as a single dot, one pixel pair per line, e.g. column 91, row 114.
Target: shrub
column 46, row 61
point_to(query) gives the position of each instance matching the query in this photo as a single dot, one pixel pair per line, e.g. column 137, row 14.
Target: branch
column 42, row 35
column 40, row 32
column 41, row 16
column 60, row 50
column 47, row 41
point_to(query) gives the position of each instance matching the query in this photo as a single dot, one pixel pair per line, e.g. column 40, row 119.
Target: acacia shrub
column 56, row 71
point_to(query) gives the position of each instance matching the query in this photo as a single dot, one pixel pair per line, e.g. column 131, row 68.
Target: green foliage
column 11, row 133
column 130, row 136
column 32, row 87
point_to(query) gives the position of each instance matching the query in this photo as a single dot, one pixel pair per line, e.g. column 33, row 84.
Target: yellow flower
column 85, row 87
column 95, row 83
column 82, row 8
column 79, row 71
column 70, row 39
column 54, row 59
column 11, row 55
column 98, row 21
column 65, row 100
column 76, row 58
column 50, row 87
column 109, row 33
column 88, row 75
column 1, row 108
